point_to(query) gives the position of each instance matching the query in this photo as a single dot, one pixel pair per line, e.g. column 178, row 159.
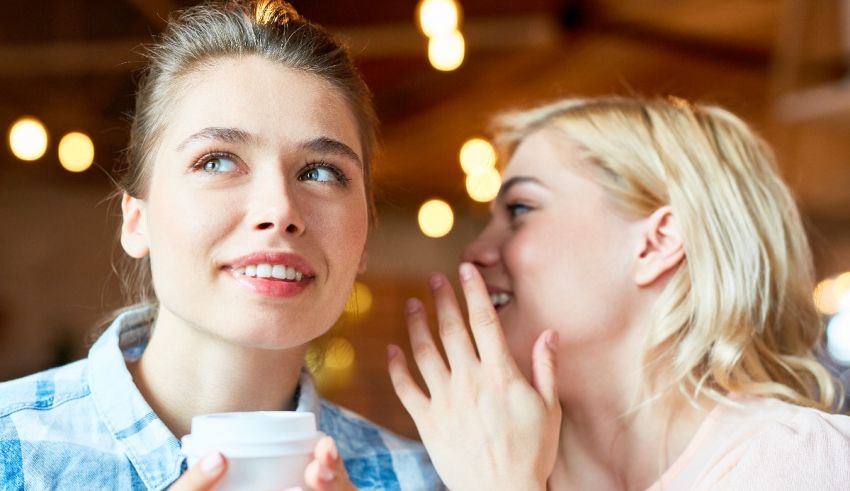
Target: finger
column 544, row 368
column 483, row 319
column 453, row 332
column 425, row 353
column 202, row 476
column 327, row 471
column 406, row 389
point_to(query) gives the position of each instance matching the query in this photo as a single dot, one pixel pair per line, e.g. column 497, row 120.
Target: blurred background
column 66, row 84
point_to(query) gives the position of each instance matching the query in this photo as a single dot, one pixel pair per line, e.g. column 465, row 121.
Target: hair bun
column 275, row 12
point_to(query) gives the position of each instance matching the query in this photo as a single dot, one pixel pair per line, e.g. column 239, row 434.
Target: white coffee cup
column 265, row 449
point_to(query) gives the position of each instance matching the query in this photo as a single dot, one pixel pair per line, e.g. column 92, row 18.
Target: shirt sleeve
column 809, row 451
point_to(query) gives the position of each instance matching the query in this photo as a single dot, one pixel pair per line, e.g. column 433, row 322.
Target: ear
column 661, row 248
column 134, row 236
column 361, row 268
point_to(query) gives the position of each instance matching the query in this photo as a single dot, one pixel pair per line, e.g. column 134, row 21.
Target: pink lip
column 272, row 287
column 496, row 289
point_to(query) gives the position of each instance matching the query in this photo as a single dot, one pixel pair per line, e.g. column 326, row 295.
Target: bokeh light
column 824, row 297
column 76, row 151
column 339, row 354
column 436, row 218
column 28, row 138
column 838, row 337
column 360, row 300
column 446, row 51
column 477, row 156
column 841, row 286
column 438, row 17
column 485, row 186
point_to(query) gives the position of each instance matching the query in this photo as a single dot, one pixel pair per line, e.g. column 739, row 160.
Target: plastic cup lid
column 257, row 427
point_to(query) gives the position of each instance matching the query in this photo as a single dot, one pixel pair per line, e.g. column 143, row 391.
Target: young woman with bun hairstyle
column 246, row 203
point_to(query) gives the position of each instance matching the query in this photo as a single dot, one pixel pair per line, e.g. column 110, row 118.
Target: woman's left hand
column 484, row 425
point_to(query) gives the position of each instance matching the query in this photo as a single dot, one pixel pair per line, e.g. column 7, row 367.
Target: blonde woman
column 640, row 312
column 246, row 204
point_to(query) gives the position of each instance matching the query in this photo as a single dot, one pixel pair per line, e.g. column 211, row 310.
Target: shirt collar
column 149, row 445
column 152, row 449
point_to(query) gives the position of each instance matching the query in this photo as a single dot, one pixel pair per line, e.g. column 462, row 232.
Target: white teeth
column 498, row 299
column 264, row 271
column 277, row 271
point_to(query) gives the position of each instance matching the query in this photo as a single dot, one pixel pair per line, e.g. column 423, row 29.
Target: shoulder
column 44, row 391
column 796, row 446
column 51, row 436
column 374, row 457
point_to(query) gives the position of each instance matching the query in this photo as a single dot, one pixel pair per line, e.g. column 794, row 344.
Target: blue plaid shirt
column 86, row 426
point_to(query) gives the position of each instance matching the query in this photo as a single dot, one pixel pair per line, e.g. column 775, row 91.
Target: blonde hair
column 271, row 29
column 738, row 315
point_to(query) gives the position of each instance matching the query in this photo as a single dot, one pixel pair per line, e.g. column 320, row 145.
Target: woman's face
column 256, row 214
column 555, row 254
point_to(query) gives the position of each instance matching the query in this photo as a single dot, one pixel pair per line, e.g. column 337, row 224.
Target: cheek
column 342, row 228
column 185, row 222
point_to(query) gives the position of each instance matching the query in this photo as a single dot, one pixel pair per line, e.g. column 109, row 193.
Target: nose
column 275, row 207
column 483, row 251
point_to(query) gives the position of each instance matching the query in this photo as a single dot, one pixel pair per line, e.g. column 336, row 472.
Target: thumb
column 202, row 476
column 544, row 367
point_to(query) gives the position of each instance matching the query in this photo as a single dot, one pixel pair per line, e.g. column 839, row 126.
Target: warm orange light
column 76, row 151
column 485, row 186
column 438, row 17
column 446, row 51
column 436, row 218
column 28, row 138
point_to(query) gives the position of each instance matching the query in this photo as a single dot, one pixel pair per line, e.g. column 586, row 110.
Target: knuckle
column 483, row 317
column 423, row 352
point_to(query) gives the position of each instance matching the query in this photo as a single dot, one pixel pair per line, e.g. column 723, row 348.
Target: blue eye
column 323, row 173
column 219, row 165
column 517, row 209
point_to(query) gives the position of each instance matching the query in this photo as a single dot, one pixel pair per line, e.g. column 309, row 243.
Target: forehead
column 265, row 98
column 544, row 151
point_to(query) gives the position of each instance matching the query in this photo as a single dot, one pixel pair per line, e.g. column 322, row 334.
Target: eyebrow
column 321, row 144
column 227, row 135
column 507, row 185
column 327, row 145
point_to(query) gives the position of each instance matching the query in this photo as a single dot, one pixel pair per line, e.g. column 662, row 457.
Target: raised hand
column 484, row 425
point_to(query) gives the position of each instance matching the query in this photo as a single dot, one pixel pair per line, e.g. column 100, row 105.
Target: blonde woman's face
column 554, row 253
column 256, row 216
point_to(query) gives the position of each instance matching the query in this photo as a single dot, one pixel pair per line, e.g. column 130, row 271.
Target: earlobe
column 662, row 247
column 134, row 237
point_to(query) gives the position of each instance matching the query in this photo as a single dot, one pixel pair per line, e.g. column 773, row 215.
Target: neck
column 185, row 372
column 608, row 440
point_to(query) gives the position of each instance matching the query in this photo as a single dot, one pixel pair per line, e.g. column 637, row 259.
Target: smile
column 500, row 299
column 265, row 270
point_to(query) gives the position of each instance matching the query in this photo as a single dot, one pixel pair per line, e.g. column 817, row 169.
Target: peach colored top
column 765, row 445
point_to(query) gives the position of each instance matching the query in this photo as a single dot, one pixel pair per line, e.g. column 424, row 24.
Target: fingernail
column 211, row 464
column 466, row 271
column 333, row 450
column 326, row 475
column 392, row 352
column 436, row 280
column 552, row 340
column 413, row 305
